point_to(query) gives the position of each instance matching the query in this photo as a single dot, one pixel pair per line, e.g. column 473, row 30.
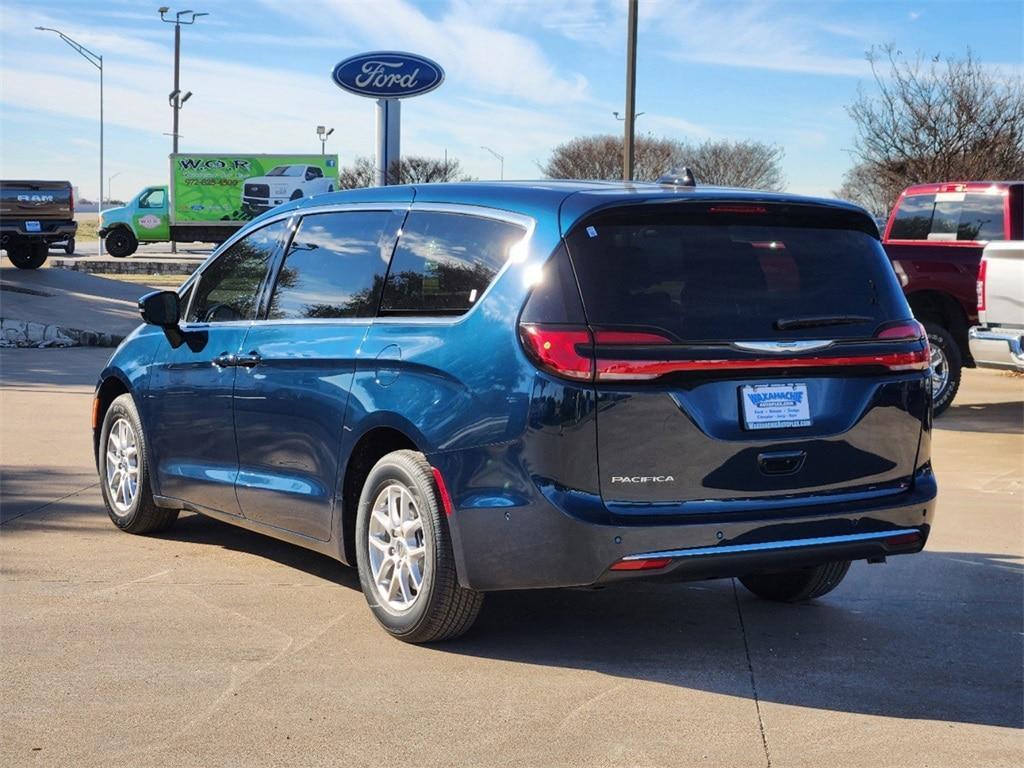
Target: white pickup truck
column 284, row 183
column 998, row 339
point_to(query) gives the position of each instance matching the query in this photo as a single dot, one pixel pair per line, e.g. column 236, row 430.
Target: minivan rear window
column 704, row 282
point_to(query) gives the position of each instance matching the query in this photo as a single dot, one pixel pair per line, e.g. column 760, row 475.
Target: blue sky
column 522, row 76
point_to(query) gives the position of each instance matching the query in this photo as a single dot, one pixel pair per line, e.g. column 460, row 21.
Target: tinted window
column 698, row 282
column 229, row 288
column 335, row 266
column 949, row 216
column 444, row 262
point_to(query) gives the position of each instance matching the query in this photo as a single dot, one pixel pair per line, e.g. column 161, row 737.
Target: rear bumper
column 997, row 347
column 50, row 232
column 539, row 545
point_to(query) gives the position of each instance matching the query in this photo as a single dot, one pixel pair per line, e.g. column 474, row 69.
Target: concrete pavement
column 213, row 646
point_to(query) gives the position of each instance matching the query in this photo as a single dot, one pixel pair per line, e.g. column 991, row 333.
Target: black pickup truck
column 33, row 215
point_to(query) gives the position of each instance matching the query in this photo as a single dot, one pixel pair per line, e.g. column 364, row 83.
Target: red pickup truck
column 935, row 237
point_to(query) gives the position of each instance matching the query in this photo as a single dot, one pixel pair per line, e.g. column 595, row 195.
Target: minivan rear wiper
column 818, row 321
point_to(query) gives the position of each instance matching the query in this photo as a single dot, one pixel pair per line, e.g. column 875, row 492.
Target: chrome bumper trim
column 1003, row 349
column 730, row 549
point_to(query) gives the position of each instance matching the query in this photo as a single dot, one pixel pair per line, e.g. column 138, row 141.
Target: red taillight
column 571, row 352
column 446, row 499
column 903, row 539
column 982, row 269
column 737, row 209
column 650, row 564
column 910, row 330
column 71, row 200
column 565, row 351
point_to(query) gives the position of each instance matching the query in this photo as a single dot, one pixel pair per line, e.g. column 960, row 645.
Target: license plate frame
column 33, row 226
column 782, row 405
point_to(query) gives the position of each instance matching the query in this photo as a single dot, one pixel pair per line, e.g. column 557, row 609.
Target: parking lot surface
column 212, row 646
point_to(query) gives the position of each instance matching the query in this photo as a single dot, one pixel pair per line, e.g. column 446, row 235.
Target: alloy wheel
column 397, row 547
column 939, row 370
column 122, row 465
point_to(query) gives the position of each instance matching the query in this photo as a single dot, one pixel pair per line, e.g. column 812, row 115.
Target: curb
column 125, row 266
column 21, row 333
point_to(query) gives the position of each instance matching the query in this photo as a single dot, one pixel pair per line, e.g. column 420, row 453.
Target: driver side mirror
column 161, row 308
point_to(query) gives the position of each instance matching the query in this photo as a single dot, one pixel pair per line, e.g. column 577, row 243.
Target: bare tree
column 749, row 164
column 731, row 163
column 930, row 120
column 600, row 158
column 862, row 185
column 412, row 169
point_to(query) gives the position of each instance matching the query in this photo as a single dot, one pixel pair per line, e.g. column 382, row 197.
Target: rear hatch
column 739, row 352
column 36, row 200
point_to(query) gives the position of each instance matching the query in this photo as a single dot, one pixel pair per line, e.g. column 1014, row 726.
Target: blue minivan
column 459, row 388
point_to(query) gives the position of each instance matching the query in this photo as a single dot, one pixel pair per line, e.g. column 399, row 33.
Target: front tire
column 124, row 472
column 28, row 256
column 797, row 585
column 121, row 242
column 404, row 554
column 946, row 366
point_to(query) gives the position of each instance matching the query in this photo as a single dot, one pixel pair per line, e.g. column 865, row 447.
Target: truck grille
column 257, row 190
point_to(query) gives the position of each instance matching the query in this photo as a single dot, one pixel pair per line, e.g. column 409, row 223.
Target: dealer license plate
column 32, row 226
column 775, row 406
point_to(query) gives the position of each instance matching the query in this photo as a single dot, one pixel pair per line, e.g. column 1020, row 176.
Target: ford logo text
column 388, row 75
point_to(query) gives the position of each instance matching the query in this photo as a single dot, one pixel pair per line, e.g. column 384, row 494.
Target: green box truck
column 210, row 196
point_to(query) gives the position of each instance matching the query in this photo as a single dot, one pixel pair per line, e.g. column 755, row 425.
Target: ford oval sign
column 388, row 75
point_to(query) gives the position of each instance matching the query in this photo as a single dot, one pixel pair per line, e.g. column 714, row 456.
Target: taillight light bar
column 982, row 269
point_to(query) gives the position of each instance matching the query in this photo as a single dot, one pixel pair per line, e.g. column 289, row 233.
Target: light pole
column 97, row 61
column 323, row 132
column 175, row 98
column 501, row 160
column 630, row 119
column 110, row 179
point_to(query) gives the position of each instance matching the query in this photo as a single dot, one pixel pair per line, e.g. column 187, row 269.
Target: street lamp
column 97, row 61
column 500, row 158
column 175, row 98
column 620, row 118
column 110, row 179
column 323, row 132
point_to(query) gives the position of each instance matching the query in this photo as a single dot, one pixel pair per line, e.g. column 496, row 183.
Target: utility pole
column 97, row 61
column 175, row 99
column 628, row 155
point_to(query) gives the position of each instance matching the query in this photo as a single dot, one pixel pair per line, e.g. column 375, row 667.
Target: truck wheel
column 404, row 554
column 946, row 365
column 121, row 242
column 30, row 256
column 69, row 246
column 797, row 585
column 297, row 194
column 124, row 472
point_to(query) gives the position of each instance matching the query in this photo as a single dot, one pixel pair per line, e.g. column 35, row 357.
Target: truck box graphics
column 230, row 189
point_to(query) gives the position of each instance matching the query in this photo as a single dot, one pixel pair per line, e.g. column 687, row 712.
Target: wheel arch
column 945, row 310
column 112, row 385
column 373, row 444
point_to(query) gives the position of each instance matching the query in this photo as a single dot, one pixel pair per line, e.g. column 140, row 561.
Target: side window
column 153, row 199
column 335, row 265
column 445, row 261
column 981, row 218
column 229, row 288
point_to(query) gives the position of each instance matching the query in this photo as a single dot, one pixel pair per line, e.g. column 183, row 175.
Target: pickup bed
column 997, row 340
column 34, row 214
column 935, row 237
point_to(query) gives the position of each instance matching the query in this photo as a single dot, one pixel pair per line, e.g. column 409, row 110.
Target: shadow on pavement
column 1005, row 418
column 933, row 636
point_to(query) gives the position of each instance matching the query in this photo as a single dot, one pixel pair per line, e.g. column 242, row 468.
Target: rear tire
column 69, row 247
column 121, row 242
column 124, row 463
column 28, row 256
column 402, row 532
column 946, row 366
column 797, row 585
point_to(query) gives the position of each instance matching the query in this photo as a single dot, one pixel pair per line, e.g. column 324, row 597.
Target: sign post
column 388, row 76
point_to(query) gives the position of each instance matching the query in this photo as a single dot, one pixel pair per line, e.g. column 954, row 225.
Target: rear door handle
column 250, row 360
